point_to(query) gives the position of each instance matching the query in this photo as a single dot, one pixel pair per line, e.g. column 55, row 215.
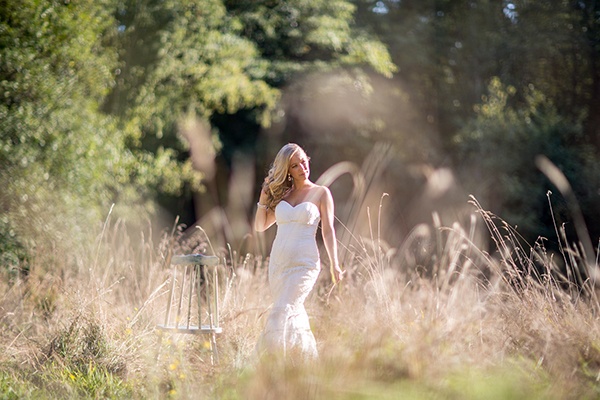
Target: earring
column 289, row 177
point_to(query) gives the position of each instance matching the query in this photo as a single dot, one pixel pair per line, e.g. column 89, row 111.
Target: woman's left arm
column 326, row 208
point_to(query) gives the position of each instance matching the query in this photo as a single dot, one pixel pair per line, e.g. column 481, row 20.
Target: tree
column 498, row 151
column 225, row 63
column 448, row 52
column 589, row 21
column 324, row 64
column 53, row 74
column 63, row 162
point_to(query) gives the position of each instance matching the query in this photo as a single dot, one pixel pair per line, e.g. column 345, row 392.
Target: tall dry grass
column 437, row 317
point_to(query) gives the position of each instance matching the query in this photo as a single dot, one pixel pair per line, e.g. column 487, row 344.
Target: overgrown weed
column 437, row 317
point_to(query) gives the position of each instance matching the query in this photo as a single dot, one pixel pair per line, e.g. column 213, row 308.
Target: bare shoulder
column 323, row 193
column 325, row 190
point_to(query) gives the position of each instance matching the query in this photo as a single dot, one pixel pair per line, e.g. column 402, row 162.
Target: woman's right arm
column 265, row 217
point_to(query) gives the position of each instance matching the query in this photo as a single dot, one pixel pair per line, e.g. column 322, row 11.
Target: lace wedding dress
column 293, row 270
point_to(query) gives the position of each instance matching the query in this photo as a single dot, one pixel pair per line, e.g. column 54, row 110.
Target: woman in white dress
column 289, row 199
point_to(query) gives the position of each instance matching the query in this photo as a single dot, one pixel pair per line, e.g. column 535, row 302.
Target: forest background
column 158, row 107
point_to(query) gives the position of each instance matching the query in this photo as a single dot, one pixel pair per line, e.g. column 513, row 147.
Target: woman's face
column 299, row 169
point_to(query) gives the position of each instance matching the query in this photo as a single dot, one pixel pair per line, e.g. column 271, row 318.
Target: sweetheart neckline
column 302, row 202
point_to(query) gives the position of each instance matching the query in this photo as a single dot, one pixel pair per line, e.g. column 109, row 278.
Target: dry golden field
column 437, row 318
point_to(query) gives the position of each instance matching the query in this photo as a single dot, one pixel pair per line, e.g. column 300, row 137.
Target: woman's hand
column 265, row 217
column 263, row 197
column 337, row 274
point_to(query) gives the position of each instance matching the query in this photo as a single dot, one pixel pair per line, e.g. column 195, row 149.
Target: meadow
column 437, row 318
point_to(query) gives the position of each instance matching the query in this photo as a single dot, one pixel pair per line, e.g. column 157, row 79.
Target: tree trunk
column 592, row 124
column 591, row 25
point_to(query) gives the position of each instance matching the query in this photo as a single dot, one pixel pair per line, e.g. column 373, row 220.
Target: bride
column 289, row 199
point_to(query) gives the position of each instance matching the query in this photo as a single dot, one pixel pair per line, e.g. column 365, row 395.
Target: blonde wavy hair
column 276, row 184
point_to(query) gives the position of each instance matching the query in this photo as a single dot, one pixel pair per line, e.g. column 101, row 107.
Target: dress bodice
column 302, row 213
column 296, row 229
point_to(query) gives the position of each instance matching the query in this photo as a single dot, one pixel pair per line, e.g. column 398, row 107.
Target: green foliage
column 448, row 51
column 95, row 93
column 82, row 342
column 224, row 62
column 14, row 387
column 55, row 149
column 94, row 382
column 11, row 250
column 63, row 161
column 308, row 36
column 497, row 152
column 222, row 57
column 203, row 67
column 8, row 388
column 79, row 362
column 89, row 365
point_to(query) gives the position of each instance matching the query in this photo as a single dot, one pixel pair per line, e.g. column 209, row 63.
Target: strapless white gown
column 294, row 267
